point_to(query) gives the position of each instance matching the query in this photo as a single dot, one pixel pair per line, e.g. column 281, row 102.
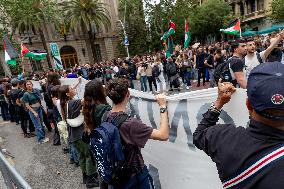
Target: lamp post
column 126, row 42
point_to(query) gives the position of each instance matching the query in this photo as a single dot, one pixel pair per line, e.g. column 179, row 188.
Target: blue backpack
column 106, row 146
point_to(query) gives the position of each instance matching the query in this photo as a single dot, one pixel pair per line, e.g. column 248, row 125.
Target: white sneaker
column 44, row 141
column 187, row 87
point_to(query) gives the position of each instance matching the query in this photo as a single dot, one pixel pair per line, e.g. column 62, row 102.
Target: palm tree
column 33, row 14
column 87, row 14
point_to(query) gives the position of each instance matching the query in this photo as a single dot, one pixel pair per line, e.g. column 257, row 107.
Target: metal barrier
column 12, row 178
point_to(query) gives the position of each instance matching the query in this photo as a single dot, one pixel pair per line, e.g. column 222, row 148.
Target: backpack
column 223, row 71
column 172, row 69
column 107, row 148
column 156, row 71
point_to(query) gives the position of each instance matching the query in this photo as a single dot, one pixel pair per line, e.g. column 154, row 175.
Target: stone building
column 75, row 47
column 253, row 13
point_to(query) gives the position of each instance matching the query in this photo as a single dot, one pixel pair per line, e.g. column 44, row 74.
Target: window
column 260, row 5
column 252, row 6
column 242, row 10
column 36, row 65
column 98, row 52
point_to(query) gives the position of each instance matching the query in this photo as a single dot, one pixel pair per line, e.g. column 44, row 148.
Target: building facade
column 75, row 47
column 253, row 13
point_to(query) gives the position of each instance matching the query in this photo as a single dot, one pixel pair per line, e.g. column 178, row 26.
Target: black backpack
column 172, row 70
column 223, row 71
column 156, row 71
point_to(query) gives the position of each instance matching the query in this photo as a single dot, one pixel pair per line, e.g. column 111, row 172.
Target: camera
column 144, row 65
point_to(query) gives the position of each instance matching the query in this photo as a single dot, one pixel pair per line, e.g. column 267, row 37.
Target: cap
column 265, row 88
column 14, row 81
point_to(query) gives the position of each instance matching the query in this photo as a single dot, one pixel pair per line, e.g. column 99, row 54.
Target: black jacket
column 235, row 149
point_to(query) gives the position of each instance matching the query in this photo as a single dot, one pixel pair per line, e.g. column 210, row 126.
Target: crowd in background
column 21, row 103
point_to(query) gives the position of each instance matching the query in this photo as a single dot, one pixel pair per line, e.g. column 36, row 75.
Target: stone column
column 255, row 1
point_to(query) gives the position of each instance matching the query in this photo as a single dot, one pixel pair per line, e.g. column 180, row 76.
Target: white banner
column 177, row 163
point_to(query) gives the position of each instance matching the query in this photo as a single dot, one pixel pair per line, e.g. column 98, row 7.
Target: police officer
column 249, row 157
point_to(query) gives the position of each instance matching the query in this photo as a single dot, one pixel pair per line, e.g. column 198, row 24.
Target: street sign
column 126, row 42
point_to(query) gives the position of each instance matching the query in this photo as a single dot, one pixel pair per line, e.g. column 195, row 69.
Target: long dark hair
column 94, row 95
column 63, row 99
column 53, row 78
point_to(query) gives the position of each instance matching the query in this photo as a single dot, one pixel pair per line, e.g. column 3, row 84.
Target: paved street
column 43, row 166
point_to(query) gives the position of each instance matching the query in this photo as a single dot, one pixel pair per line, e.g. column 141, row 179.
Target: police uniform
column 249, row 157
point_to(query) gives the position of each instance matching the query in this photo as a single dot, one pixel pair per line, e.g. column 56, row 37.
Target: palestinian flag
column 25, row 52
column 234, row 28
column 10, row 53
column 170, row 32
column 170, row 47
column 186, row 35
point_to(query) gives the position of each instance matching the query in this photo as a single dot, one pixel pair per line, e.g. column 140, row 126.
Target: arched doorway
column 68, row 56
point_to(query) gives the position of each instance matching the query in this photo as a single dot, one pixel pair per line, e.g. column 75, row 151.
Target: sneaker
column 44, row 141
column 187, row 87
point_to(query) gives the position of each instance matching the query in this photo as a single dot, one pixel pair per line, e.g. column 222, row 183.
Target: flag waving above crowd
column 10, row 52
column 25, row 52
column 233, row 28
column 187, row 36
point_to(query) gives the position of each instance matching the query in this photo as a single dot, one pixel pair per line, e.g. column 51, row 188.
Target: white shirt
column 252, row 62
column 58, row 107
column 115, row 69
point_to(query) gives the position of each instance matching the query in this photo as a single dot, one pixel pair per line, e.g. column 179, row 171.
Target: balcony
column 254, row 15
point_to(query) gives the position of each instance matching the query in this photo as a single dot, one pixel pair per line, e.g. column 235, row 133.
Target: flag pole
column 240, row 29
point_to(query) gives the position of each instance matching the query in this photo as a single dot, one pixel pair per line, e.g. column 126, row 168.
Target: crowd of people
column 23, row 104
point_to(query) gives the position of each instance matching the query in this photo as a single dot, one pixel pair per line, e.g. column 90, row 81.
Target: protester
column 209, row 62
column 199, row 59
column 71, row 109
column 160, row 80
column 135, row 133
column 172, row 74
column 236, row 63
column 149, row 74
column 141, row 75
column 238, row 151
column 32, row 99
column 26, row 122
column 254, row 58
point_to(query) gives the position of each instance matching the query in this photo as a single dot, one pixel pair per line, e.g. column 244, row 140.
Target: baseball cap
column 265, row 89
column 14, row 81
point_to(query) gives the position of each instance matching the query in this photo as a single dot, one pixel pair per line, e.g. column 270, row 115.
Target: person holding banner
column 134, row 133
column 249, row 157
column 32, row 99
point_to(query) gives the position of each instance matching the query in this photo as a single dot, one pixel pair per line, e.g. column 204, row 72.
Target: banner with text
column 177, row 163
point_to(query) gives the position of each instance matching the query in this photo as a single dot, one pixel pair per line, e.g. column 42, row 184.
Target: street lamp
column 126, row 42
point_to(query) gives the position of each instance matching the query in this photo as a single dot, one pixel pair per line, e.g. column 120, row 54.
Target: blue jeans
column 142, row 181
column 5, row 111
column 73, row 152
column 38, row 123
column 187, row 77
column 143, row 80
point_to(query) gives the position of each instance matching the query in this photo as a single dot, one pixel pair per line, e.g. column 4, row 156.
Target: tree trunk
column 42, row 37
column 92, row 41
